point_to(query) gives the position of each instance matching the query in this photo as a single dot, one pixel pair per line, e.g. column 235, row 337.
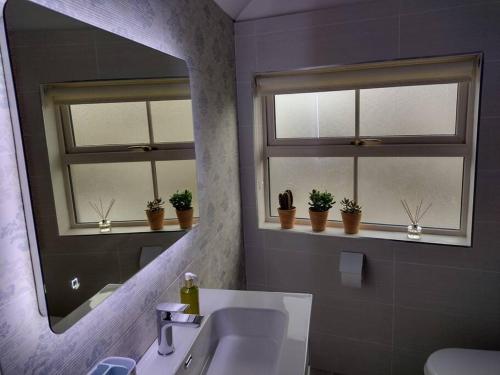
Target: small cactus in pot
column 286, row 210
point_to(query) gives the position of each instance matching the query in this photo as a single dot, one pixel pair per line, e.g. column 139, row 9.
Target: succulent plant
column 181, row 200
column 350, row 206
column 155, row 205
column 320, row 201
column 286, row 200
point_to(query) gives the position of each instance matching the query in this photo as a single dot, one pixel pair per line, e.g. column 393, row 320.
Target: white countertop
column 296, row 306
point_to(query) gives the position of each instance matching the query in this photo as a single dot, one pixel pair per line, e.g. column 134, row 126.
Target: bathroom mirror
column 106, row 127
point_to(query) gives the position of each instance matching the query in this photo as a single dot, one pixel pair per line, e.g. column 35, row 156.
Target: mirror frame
column 22, row 167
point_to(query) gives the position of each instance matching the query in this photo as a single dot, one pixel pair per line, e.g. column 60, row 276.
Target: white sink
column 243, row 333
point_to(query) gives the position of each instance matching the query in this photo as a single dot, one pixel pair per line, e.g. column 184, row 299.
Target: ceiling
column 241, row 10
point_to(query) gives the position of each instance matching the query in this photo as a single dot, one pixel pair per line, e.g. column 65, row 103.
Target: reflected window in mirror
column 118, row 142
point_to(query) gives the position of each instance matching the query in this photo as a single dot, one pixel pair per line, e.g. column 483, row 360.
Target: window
column 125, row 140
column 378, row 133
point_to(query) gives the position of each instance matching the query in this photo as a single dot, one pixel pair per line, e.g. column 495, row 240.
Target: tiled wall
column 124, row 324
column 417, row 298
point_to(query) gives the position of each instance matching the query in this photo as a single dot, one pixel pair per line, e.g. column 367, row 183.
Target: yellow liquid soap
column 190, row 294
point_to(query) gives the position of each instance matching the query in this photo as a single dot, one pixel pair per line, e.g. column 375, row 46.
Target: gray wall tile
column 489, row 133
column 255, row 257
column 487, row 198
column 490, row 93
column 445, row 286
column 343, row 13
column 406, row 362
column 455, row 30
column 352, row 319
column 349, row 356
column 245, row 112
column 245, row 142
column 427, row 331
column 342, row 43
column 246, row 52
column 447, row 289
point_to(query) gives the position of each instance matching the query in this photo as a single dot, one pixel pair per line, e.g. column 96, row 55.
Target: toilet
column 454, row 361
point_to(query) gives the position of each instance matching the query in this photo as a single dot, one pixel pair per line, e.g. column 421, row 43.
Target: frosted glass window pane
column 110, row 123
column 384, row 181
column 301, row 175
column 296, row 116
column 176, row 175
column 130, row 184
column 314, row 115
column 172, row 121
column 408, row 110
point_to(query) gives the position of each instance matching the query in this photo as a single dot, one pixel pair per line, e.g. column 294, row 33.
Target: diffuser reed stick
column 100, row 209
column 416, row 216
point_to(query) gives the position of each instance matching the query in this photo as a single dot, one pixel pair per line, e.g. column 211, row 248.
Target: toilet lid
column 463, row 362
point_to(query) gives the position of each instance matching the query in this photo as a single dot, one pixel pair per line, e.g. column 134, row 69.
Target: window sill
column 379, row 234
column 120, row 230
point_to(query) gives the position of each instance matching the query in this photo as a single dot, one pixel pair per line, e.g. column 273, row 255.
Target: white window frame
column 461, row 144
column 64, row 95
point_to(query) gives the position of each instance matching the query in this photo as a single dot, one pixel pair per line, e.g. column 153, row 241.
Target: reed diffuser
column 104, row 224
column 414, row 229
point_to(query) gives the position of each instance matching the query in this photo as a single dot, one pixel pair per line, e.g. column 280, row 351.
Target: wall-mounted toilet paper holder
column 351, row 269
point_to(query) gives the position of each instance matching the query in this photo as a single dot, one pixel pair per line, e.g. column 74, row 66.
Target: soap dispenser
column 190, row 293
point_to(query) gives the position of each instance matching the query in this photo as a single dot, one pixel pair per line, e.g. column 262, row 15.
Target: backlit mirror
column 107, row 133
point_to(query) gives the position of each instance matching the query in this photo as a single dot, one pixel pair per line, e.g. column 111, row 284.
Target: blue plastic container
column 114, row 366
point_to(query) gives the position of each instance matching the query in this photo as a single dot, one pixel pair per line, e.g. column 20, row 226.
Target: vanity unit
column 243, row 333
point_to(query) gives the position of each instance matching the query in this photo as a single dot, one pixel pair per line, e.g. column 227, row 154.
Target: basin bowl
column 243, row 341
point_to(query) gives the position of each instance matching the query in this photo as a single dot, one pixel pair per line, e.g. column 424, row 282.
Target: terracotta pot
column 156, row 219
column 351, row 222
column 287, row 218
column 185, row 218
column 318, row 220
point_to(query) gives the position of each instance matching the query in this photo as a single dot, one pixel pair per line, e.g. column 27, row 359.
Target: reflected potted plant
column 286, row 210
column 156, row 213
column 319, row 205
column 351, row 215
column 182, row 204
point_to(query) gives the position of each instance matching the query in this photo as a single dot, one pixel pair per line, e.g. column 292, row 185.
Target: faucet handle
column 173, row 313
column 171, row 307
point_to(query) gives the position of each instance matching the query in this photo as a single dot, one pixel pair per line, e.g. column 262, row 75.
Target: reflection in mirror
column 106, row 128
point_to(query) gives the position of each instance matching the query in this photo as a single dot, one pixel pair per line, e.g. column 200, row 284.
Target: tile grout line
column 399, row 31
column 306, row 28
column 490, row 316
column 436, row 10
column 449, row 267
column 393, row 324
column 351, row 339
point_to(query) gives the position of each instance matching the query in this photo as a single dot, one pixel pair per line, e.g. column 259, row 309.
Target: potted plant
column 351, row 215
column 156, row 213
column 286, row 209
column 319, row 205
column 182, row 204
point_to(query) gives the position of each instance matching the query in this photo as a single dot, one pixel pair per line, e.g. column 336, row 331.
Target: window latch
column 366, row 142
column 143, row 148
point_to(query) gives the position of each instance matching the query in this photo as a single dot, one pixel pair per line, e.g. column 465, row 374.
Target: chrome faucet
column 168, row 315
